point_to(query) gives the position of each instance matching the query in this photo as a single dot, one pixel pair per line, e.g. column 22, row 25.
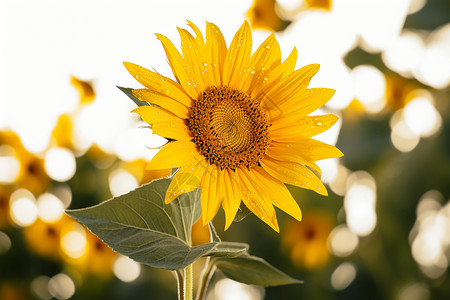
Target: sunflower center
column 229, row 128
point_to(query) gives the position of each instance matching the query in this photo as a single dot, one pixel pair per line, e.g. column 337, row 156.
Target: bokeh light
column 23, row 209
column 9, row 165
column 61, row 286
column 126, row 269
column 121, row 182
column 50, row 208
column 40, row 287
column 60, row 164
column 342, row 242
column 227, row 289
column 360, row 203
column 370, row 86
column 73, row 242
column 5, row 242
column 421, row 117
column 343, row 276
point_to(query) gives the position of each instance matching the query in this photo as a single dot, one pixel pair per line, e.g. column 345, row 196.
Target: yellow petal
column 265, row 58
column 294, row 174
column 274, row 77
column 212, row 193
column 204, row 54
column 154, row 114
column 291, row 85
column 174, row 131
column 173, row 155
column 191, row 55
column 315, row 150
column 304, row 103
column 285, row 152
column 255, row 200
column 237, row 56
column 233, row 196
column 187, row 178
column 179, row 67
column 277, row 192
column 217, row 49
column 284, row 131
column 165, row 102
column 159, row 83
column 198, row 35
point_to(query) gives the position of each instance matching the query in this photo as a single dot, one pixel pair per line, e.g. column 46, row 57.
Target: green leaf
column 253, row 270
column 129, row 93
column 141, row 226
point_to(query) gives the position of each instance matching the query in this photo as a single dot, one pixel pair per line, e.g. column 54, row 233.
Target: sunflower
column 237, row 123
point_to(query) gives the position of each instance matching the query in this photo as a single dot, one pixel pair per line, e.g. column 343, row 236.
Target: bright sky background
column 43, row 43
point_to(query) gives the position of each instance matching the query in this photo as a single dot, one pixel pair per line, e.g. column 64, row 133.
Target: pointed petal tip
column 322, row 191
column 315, row 68
column 227, row 225
column 276, row 228
column 128, row 65
column 205, row 220
column 169, row 198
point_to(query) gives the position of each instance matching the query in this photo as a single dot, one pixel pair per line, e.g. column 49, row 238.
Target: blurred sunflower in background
column 238, row 122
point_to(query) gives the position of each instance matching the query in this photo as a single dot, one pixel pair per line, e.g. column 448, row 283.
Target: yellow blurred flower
column 238, row 123
column 62, row 134
column 306, row 242
column 397, row 90
column 5, row 193
column 32, row 175
column 84, row 251
column 100, row 257
column 12, row 291
column 263, row 15
column 319, row 4
column 44, row 237
column 87, row 93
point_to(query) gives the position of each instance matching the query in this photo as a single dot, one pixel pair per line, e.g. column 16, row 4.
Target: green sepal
column 129, row 93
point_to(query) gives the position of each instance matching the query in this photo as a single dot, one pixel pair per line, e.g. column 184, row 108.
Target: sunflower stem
column 207, row 273
column 188, row 283
column 180, row 284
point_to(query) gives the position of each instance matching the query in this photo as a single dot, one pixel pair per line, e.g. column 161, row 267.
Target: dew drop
column 319, row 123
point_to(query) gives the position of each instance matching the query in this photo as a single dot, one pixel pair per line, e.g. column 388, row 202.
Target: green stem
column 180, row 285
column 188, row 283
column 207, row 273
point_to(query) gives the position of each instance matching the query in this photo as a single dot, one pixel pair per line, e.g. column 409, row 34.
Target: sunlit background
column 68, row 140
